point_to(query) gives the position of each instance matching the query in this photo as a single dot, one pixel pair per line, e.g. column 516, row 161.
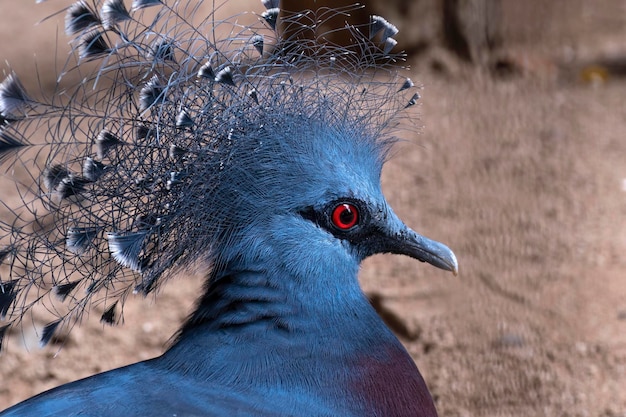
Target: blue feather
column 264, row 171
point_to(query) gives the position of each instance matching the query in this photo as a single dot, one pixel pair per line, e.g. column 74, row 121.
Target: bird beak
column 401, row 240
column 423, row 249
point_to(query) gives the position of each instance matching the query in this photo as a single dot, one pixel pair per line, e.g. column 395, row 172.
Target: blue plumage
column 254, row 158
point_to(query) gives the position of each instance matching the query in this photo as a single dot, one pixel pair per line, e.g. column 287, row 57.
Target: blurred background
column 519, row 165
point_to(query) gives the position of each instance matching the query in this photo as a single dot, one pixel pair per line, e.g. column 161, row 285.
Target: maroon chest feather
column 392, row 386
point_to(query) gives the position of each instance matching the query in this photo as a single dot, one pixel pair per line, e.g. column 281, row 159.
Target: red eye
column 345, row 216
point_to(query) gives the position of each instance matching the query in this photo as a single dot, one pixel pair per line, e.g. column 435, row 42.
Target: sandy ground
column 524, row 176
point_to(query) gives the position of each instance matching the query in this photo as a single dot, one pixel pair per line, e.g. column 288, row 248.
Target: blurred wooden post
column 471, row 28
column 293, row 26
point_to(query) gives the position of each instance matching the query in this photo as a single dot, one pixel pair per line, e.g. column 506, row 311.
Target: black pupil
column 347, row 215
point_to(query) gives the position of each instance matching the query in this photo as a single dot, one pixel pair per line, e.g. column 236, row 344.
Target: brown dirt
column 523, row 175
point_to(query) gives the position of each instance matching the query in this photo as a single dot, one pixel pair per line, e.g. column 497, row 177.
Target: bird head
column 310, row 186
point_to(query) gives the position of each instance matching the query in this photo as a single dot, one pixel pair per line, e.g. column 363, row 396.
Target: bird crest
column 176, row 142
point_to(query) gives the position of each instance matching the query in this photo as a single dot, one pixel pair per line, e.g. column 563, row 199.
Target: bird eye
column 345, row 216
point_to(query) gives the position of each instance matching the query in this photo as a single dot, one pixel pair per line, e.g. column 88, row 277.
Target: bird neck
column 280, row 284
column 262, row 302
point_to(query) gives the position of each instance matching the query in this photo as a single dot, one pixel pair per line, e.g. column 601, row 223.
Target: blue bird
column 255, row 158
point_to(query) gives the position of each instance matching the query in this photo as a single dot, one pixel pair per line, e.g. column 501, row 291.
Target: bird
column 254, row 158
